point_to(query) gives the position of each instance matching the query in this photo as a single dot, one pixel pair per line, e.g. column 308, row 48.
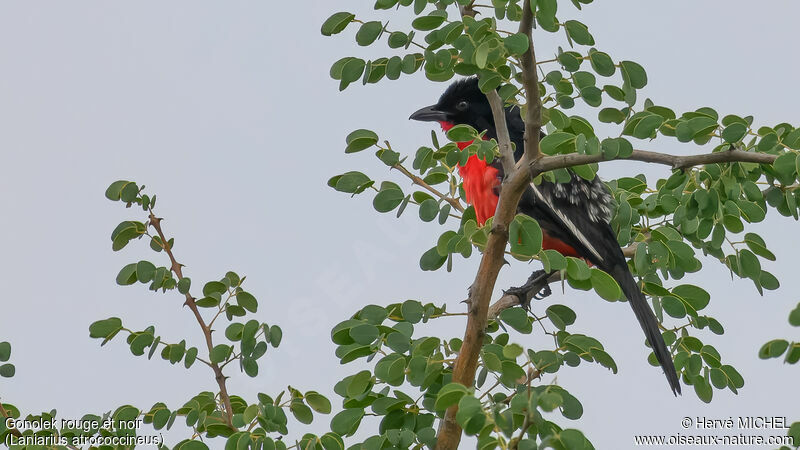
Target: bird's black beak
column 429, row 114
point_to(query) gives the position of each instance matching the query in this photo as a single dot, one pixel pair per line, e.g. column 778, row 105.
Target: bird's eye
column 462, row 106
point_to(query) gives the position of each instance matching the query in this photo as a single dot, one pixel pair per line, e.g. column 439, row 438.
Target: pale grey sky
column 226, row 111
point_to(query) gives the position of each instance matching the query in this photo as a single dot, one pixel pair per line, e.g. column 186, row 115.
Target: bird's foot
column 535, row 288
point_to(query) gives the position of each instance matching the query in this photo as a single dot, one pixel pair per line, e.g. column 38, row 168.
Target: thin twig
column 155, row 222
column 420, row 182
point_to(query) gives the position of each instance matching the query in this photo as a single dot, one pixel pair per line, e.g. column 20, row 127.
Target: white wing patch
column 572, row 227
column 591, row 196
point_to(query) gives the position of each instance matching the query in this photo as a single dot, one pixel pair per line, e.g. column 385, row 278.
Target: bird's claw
column 535, row 288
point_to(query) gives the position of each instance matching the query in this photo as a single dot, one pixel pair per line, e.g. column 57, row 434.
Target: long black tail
column 648, row 322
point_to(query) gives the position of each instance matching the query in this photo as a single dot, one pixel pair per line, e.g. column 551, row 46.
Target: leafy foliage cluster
column 258, row 424
column 410, row 383
column 696, row 210
column 404, row 378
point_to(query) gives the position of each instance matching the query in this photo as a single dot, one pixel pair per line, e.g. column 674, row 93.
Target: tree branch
column 503, row 138
column 466, row 363
column 155, row 222
column 547, row 163
column 530, row 82
column 509, row 300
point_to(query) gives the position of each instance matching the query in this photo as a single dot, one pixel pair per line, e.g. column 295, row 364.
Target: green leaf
column 602, row 63
column 735, row 378
column 449, row 395
column 188, row 444
column 391, row 369
column 301, row 412
column 428, row 210
column 470, row 414
column 647, row 126
column 634, row 74
column 412, row 311
column 351, row 71
column 462, row 133
column 373, row 314
column 615, row 93
column 431, row 260
column 129, row 193
column 208, row 302
column 695, row 296
column 578, row 32
column 5, row 351
column 214, row 287
column 549, row 401
column 411, row 63
column 512, row 351
column 247, row 301
column 584, row 79
column 220, row 353
column 550, row 144
column 388, row 4
column 127, row 275
column 734, row 132
column 673, row 306
column 733, row 223
column 786, row 166
column 570, row 61
column 611, row 115
column 427, row 23
column 387, row 200
column 517, row 319
column 516, row 44
column 114, row 191
column 7, row 370
column 359, row 383
column 592, row 95
column 336, row 23
column 345, row 423
column 605, row 286
column 349, row 182
column 558, row 118
column 703, row 389
column 773, row 349
column 364, row 333
column 331, row 441
column 604, row 359
column 794, row 432
column 794, row 319
column 184, row 285
column 561, row 316
column 275, row 335
column 546, row 14
column 318, row 402
column 749, row 264
column 577, row 269
column 359, row 140
column 105, row 328
column 368, row 33
column 190, row 357
column 525, row 236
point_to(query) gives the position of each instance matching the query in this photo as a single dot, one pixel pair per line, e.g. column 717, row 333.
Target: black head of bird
column 462, row 103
